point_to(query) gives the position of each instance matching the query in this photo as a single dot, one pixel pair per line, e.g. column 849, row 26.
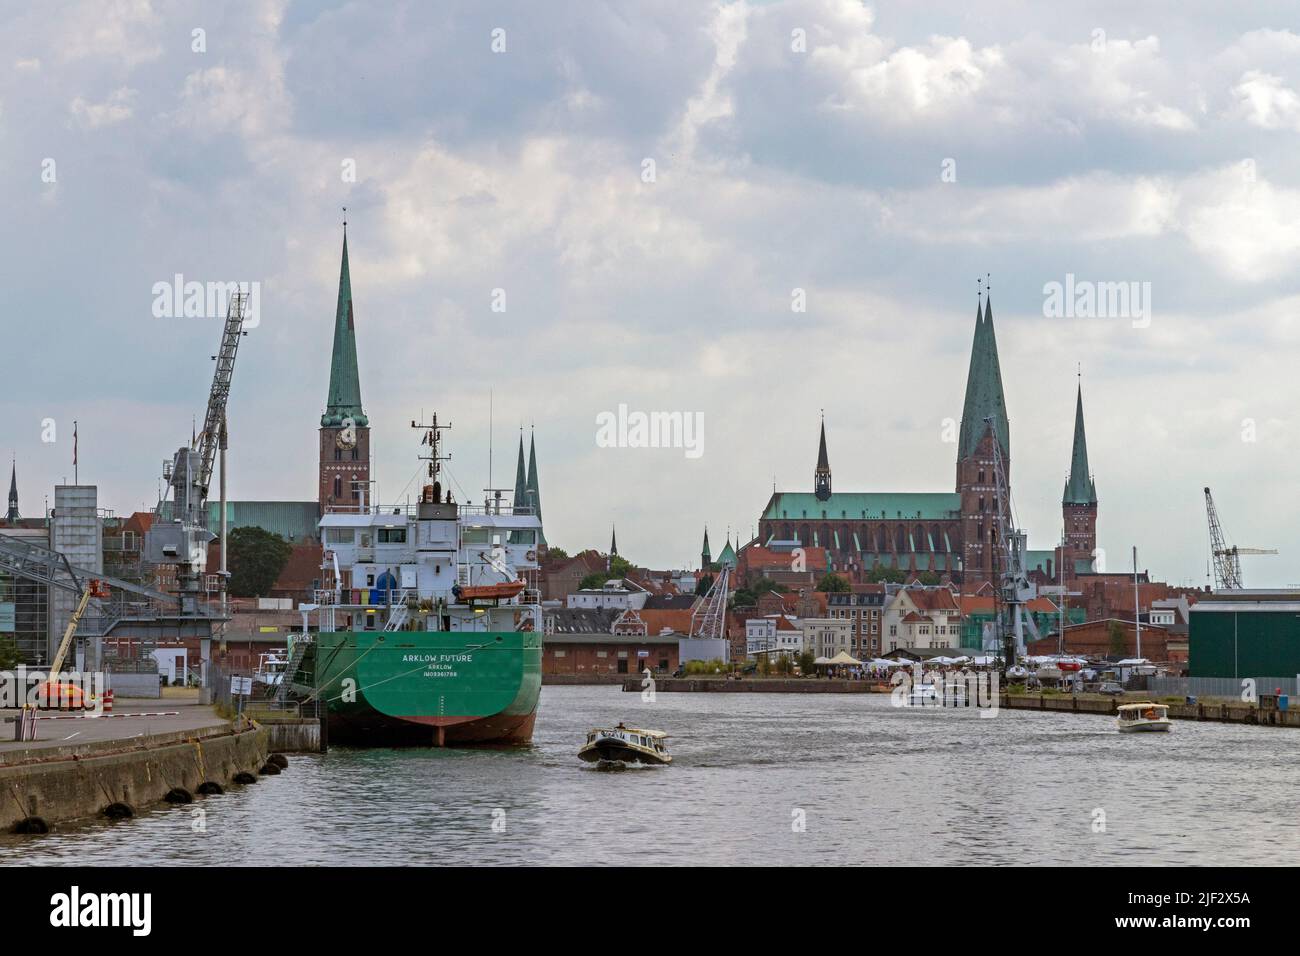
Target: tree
column 928, row 578
column 880, row 574
column 9, row 656
column 806, row 663
column 1118, row 639
column 833, row 583
column 554, row 553
column 703, row 584
column 619, row 566
column 595, row 580
column 257, row 557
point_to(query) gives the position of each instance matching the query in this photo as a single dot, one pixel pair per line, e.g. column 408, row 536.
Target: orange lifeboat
column 489, row 592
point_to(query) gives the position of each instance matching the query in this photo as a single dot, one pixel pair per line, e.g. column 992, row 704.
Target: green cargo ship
column 429, row 625
column 429, row 687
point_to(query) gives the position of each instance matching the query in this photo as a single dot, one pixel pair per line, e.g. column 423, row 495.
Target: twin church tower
column 952, row 535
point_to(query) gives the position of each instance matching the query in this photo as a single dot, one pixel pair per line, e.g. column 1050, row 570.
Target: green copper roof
column 1079, row 489
column 728, row 555
column 344, row 400
column 863, row 506
column 534, row 493
column 984, row 396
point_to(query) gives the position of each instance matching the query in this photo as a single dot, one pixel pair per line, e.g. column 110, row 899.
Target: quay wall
column 1222, row 712
column 60, row 784
column 293, row 734
column 758, row 685
column 585, row 679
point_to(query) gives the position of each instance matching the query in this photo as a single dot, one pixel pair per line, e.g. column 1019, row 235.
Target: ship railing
column 495, row 509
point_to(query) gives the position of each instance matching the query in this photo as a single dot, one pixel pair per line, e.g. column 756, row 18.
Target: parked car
column 1110, row 687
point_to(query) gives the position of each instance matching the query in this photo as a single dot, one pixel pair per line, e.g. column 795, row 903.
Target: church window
column 338, row 454
column 338, row 487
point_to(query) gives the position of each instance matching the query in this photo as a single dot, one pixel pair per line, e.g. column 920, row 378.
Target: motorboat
column 1143, row 716
column 625, row 745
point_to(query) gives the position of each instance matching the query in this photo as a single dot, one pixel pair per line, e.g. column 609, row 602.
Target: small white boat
column 1144, row 716
column 626, row 745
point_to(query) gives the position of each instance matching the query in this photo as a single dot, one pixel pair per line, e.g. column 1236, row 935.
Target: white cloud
column 115, row 109
column 1265, row 101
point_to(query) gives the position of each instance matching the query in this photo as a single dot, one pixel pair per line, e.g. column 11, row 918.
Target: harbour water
column 756, row 779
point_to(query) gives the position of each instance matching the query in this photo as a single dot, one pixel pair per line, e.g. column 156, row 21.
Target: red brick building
column 608, row 654
column 1093, row 640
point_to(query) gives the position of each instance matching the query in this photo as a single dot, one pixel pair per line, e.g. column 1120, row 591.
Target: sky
column 750, row 212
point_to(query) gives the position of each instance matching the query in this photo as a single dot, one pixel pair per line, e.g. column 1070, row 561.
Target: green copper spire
column 984, row 396
column 12, row 513
column 534, row 493
column 706, row 556
column 727, row 558
column 521, row 477
column 344, row 400
column 1079, row 488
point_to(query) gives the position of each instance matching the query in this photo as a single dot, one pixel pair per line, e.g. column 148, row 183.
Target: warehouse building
column 1247, row 633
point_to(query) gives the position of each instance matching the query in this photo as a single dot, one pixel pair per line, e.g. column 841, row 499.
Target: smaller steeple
column 521, row 476
column 727, row 558
column 706, row 556
column 1079, row 487
column 613, row 541
column 12, row 513
column 534, row 492
column 822, row 476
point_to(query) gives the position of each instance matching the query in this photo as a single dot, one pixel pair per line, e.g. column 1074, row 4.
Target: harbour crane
column 183, row 540
column 55, row 693
column 1016, row 590
column 1226, row 560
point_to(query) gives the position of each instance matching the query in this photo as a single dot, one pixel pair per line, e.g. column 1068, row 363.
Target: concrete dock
column 115, row 765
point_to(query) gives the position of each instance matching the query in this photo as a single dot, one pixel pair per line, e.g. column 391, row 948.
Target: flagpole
column 75, row 475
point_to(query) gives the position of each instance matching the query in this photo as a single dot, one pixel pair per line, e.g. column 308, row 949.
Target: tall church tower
column 12, row 513
column 822, row 476
column 1078, row 503
column 976, row 482
column 344, row 428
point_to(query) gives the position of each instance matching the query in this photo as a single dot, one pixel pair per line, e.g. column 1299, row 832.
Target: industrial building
column 1245, row 633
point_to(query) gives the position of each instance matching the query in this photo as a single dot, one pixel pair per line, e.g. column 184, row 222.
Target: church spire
column 530, row 483
column 984, row 397
column 344, row 398
column 1079, row 488
column 822, row 476
column 613, row 541
column 12, row 514
column 521, row 477
column 706, row 556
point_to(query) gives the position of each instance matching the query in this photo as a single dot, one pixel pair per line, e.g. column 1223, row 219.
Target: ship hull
column 429, row 688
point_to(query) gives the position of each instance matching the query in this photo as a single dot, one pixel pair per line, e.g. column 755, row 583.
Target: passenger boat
column 626, row 745
column 1144, row 716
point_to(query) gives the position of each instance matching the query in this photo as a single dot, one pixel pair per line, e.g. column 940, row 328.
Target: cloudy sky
column 880, row 157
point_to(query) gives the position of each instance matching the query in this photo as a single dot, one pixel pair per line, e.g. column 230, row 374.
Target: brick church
column 952, row 534
column 344, row 476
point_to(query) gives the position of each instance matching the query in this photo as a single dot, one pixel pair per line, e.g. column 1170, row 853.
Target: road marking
column 70, row 736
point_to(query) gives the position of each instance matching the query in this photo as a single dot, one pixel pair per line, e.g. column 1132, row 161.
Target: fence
column 259, row 701
column 1217, row 686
